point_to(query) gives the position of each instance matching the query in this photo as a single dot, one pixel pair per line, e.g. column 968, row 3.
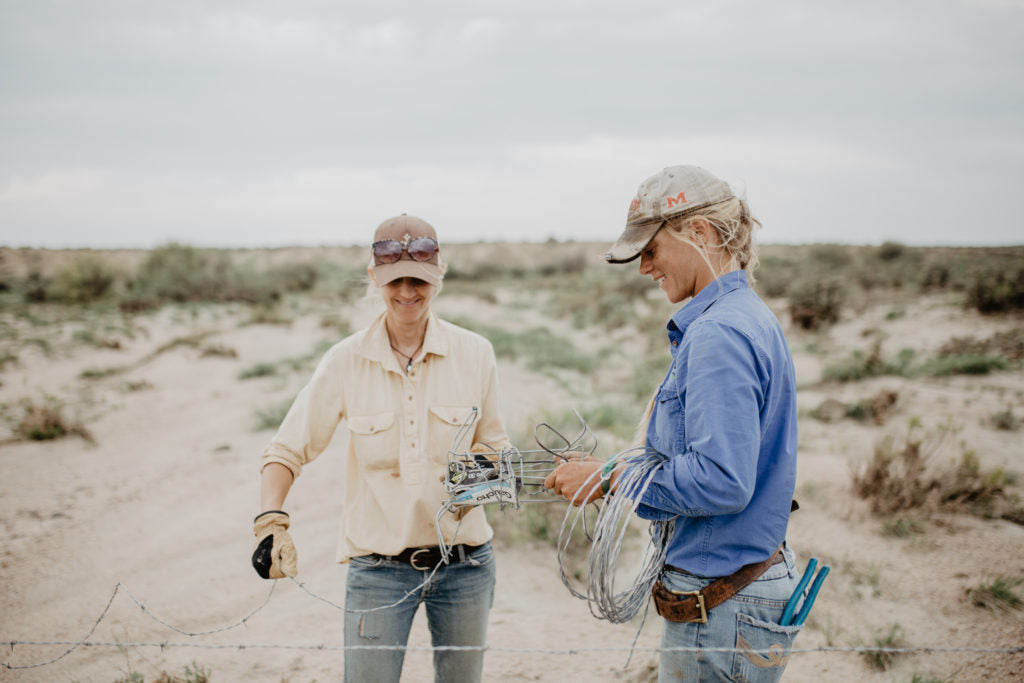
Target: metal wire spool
column 608, row 532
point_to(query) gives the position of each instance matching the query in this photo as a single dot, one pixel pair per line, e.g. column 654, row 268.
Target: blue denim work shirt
column 725, row 416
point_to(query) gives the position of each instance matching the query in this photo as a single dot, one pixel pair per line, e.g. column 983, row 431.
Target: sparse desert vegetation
column 169, row 369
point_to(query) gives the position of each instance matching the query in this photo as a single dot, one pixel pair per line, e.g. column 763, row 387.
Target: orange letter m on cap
column 678, row 199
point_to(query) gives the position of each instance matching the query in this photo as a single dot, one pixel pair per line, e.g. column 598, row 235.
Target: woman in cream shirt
column 404, row 386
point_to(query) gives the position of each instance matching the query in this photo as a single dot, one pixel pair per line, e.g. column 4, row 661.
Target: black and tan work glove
column 274, row 556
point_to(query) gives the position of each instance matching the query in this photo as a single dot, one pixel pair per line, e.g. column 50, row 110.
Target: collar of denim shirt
column 704, row 300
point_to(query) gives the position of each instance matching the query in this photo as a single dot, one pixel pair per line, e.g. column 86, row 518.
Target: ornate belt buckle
column 412, row 559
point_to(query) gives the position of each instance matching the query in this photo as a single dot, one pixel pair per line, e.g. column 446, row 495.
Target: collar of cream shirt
column 376, row 346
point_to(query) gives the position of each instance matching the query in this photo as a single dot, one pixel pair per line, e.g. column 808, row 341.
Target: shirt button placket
column 410, row 412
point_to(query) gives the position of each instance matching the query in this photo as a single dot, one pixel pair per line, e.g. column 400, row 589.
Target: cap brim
column 632, row 241
column 384, row 273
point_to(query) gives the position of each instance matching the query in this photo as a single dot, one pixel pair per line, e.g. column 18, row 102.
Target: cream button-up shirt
column 401, row 428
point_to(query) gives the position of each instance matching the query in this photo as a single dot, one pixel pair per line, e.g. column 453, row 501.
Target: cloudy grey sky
column 262, row 122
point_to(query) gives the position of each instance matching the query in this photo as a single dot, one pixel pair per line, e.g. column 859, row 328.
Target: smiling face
column 407, row 300
column 680, row 270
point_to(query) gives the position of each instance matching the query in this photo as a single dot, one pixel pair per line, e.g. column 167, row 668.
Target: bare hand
column 577, row 480
column 570, row 456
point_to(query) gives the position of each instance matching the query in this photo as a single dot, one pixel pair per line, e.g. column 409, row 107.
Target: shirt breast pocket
column 668, row 422
column 445, row 423
column 375, row 440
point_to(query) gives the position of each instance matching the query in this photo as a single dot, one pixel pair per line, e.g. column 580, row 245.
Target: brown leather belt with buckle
column 425, row 559
column 692, row 606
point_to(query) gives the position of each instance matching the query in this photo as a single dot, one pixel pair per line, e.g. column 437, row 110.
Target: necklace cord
column 408, row 365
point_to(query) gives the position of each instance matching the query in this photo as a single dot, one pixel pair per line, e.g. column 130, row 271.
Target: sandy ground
column 162, row 501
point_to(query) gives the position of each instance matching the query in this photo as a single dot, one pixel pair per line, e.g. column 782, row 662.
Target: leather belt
column 693, row 606
column 425, row 559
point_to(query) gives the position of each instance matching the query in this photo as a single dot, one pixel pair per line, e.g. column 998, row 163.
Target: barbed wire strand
column 154, row 617
column 921, row 649
column 603, row 600
column 73, row 645
column 118, row 587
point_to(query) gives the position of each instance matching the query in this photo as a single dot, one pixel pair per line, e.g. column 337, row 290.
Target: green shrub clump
column 1000, row 594
column 179, row 273
column 862, row 365
column 84, row 280
column 539, row 347
column 963, row 364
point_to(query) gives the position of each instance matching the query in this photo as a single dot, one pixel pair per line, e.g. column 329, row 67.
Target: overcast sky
column 265, row 122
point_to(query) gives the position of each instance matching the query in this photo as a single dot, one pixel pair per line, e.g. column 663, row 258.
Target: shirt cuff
column 277, row 453
column 653, row 514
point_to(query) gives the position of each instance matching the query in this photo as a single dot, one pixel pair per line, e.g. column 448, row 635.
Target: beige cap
column 676, row 191
column 402, row 229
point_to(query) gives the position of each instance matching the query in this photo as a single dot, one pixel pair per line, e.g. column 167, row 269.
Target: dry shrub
column 46, row 421
column 906, row 476
column 881, row 404
column 830, row 410
column 882, row 657
column 1000, row 292
column 896, row 476
column 962, row 346
column 890, row 251
column 998, row 595
column 1008, row 344
column 218, row 350
column 1005, row 420
column 814, row 303
column 876, row 408
column 194, row 673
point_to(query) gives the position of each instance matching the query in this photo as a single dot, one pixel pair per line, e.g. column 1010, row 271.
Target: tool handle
column 787, row 614
column 809, row 601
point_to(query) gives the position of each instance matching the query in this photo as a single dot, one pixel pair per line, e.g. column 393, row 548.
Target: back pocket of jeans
column 762, row 649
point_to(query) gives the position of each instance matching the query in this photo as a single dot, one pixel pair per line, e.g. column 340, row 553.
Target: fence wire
column 84, row 642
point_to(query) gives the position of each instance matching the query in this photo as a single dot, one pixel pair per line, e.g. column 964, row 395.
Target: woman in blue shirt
column 724, row 419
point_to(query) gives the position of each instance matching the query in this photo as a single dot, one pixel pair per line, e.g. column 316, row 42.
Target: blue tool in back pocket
column 788, row 618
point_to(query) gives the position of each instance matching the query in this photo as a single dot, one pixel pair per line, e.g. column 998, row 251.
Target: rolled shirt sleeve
column 309, row 426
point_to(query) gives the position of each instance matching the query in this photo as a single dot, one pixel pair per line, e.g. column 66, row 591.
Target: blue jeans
column 747, row 621
column 458, row 599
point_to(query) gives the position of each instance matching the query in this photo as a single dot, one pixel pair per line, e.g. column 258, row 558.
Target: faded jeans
column 458, row 600
column 748, row 622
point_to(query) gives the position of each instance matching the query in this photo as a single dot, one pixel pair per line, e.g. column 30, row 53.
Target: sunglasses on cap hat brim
column 421, row 249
